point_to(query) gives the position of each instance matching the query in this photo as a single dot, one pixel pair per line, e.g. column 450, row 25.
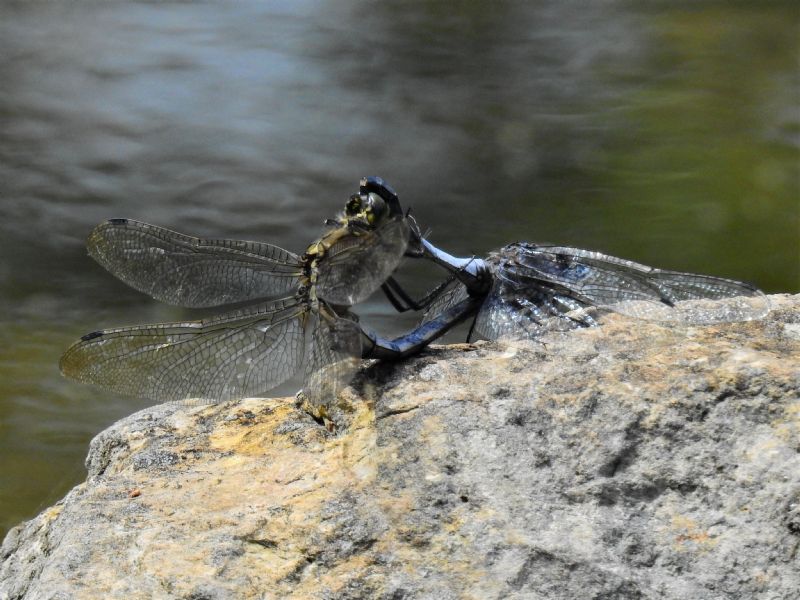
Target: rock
column 628, row 461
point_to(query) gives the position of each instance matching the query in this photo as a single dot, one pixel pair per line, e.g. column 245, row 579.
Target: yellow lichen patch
column 402, row 404
column 52, row 512
column 461, row 565
column 396, row 508
column 683, row 522
column 285, row 488
column 788, row 427
column 432, row 434
column 689, row 536
column 279, row 551
column 647, row 372
column 654, row 415
column 699, row 537
column 336, row 579
column 355, row 453
column 251, row 435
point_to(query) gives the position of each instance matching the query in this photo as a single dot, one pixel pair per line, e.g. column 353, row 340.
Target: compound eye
column 376, row 209
column 353, row 206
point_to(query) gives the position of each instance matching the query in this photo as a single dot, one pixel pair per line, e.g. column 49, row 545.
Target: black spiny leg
column 402, row 302
column 396, row 301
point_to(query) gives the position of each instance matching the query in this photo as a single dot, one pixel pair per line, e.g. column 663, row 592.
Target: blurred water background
column 664, row 132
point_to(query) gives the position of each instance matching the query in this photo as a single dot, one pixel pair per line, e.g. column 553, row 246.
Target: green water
column 667, row 133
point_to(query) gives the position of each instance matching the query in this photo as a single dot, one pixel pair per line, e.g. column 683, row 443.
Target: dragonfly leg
column 399, row 300
column 395, row 299
column 403, row 302
column 412, row 342
column 414, row 248
column 471, row 329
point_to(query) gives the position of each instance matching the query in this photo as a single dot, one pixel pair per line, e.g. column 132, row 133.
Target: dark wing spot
column 91, row 336
column 118, row 221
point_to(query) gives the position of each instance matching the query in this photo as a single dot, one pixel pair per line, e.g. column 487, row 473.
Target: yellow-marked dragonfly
column 305, row 323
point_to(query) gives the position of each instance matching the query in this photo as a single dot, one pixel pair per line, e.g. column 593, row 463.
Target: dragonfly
column 298, row 315
column 525, row 290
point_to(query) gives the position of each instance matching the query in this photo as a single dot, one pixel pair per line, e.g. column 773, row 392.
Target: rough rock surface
column 629, row 461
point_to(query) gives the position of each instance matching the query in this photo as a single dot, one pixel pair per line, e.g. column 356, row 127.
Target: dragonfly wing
column 694, row 300
column 332, row 358
column 508, row 314
column 189, row 271
column 451, row 295
column 628, row 287
column 357, row 264
column 226, row 357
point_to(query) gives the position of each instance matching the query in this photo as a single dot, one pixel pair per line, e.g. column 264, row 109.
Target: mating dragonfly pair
column 298, row 315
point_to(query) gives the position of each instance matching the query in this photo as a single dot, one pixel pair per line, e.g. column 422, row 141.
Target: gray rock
column 629, row 461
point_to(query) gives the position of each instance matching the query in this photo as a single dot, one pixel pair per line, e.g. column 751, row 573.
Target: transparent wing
column 189, row 271
column 357, row 264
column 332, row 359
column 226, row 357
column 451, row 295
column 627, row 287
column 506, row 313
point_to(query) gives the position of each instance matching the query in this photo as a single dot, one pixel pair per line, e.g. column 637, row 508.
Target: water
column 668, row 134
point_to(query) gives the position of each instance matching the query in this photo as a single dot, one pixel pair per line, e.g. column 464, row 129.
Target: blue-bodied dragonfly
column 525, row 290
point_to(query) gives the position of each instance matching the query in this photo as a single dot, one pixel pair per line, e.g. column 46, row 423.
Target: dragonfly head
column 374, row 204
column 376, row 185
column 365, row 210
